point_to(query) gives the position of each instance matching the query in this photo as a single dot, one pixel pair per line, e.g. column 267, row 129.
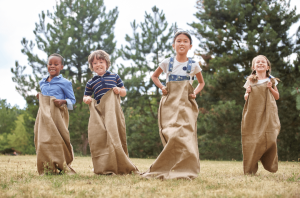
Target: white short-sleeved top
column 179, row 68
column 260, row 82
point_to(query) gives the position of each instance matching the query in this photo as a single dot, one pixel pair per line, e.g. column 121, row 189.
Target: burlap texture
column 177, row 118
column 51, row 137
column 107, row 136
column 260, row 128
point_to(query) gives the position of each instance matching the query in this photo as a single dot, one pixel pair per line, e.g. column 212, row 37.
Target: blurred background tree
column 12, row 133
column 231, row 34
column 74, row 30
column 149, row 44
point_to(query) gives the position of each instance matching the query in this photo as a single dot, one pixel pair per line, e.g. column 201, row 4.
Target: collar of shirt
column 59, row 76
column 97, row 76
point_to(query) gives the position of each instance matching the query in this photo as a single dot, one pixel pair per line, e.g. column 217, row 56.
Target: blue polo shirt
column 99, row 85
column 60, row 88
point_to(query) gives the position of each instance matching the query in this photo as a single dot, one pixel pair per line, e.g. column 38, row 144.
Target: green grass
column 19, row 178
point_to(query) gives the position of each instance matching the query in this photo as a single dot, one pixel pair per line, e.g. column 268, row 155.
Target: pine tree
column 231, row 34
column 148, row 46
column 74, row 30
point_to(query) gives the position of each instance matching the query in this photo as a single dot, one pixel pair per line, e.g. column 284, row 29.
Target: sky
column 18, row 18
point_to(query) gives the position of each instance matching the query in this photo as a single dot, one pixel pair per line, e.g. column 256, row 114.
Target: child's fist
column 248, row 90
column 87, row 99
column 59, row 102
column 117, row 90
column 164, row 90
column 193, row 95
column 269, row 85
column 246, row 96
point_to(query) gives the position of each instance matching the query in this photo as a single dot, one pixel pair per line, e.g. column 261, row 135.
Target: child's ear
column 173, row 45
column 61, row 68
column 191, row 46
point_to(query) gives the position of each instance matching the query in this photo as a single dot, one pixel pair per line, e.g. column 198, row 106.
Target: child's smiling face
column 54, row 66
column 261, row 64
column 99, row 66
column 182, row 44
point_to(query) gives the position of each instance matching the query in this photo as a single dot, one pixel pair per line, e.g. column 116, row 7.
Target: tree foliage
column 8, row 115
column 231, row 34
column 146, row 48
column 74, row 29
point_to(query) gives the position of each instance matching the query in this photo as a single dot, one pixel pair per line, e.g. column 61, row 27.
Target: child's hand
column 269, row 85
column 59, row 102
column 117, row 90
column 87, row 99
column 193, row 95
column 246, row 96
column 164, row 90
column 37, row 96
column 248, row 90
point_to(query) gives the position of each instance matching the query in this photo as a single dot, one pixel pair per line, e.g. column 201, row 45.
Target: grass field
column 19, row 178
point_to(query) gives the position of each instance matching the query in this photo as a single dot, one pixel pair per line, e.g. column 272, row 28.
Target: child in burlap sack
column 52, row 139
column 177, row 114
column 106, row 129
column 260, row 121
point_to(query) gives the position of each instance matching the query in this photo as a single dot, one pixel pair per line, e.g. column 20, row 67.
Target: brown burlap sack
column 51, row 137
column 177, row 118
column 260, row 128
column 107, row 137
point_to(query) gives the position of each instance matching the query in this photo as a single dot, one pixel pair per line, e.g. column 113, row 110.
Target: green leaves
column 149, row 44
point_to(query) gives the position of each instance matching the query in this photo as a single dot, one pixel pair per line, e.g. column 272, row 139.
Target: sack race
column 107, row 136
column 51, row 138
column 177, row 119
column 260, row 128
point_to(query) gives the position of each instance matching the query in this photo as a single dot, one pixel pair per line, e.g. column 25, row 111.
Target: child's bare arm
column 120, row 90
column 199, row 86
column 274, row 90
column 157, row 82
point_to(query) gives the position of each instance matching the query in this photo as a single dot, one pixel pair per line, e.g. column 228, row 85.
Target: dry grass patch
column 19, row 178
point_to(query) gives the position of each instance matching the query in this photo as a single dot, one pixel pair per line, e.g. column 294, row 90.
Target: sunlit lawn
column 18, row 178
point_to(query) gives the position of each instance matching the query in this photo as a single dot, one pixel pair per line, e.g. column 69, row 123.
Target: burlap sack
column 51, row 137
column 260, row 128
column 177, row 118
column 107, row 137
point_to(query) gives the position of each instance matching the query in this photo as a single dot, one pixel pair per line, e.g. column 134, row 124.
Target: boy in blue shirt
column 51, row 135
column 56, row 85
column 104, row 80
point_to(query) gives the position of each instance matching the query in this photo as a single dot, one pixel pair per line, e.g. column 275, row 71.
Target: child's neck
column 181, row 58
column 261, row 75
column 51, row 77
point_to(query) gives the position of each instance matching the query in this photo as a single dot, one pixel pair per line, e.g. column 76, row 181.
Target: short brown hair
column 99, row 54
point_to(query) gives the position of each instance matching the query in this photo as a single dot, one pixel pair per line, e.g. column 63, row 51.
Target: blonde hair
column 253, row 77
column 98, row 54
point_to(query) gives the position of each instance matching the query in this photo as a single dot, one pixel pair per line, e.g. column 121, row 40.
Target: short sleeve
column 164, row 65
column 246, row 84
column 88, row 89
column 119, row 81
column 197, row 68
column 276, row 82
